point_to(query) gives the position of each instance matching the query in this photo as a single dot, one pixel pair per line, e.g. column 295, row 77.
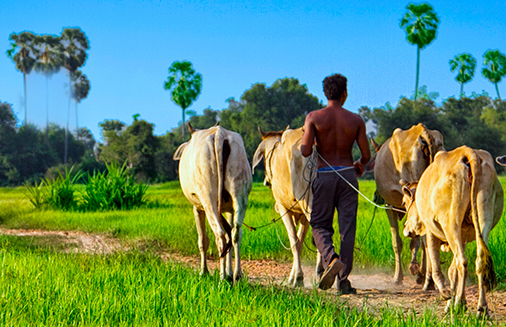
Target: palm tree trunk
column 417, row 71
column 497, row 89
column 26, row 110
column 461, row 90
column 47, row 110
column 68, row 118
column 77, row 123
column 182, row 126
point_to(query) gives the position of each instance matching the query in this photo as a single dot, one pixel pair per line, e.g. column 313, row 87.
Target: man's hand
column 359, row 168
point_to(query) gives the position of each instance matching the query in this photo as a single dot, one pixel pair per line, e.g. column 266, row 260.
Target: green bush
column 113, row 190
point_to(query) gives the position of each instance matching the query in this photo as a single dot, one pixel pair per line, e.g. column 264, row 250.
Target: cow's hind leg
column 426, row 266
column 221, row 238
column 240, row 204
column 200, row 220
column 414, row 266
column 396, row 244
column 433, row 245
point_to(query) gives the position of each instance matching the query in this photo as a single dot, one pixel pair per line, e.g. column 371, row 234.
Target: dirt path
column 373, row 289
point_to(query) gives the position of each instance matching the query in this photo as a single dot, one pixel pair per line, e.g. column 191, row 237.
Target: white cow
column 288, row 174
column 215, row 176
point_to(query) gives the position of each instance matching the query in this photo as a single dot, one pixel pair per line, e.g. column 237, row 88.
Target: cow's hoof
column 414, row 269
column 299, row 282
column 420, row 278
column 429, row 286
column 204, row 272
column 238, row 277
column 396, row 281
column 483, row 312
column 445, row 294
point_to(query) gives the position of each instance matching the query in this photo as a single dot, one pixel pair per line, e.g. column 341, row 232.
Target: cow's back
column 198, row 166
column 405, row 155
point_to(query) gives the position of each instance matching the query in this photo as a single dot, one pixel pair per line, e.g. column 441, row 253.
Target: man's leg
column 322, row 215
column 347, row 203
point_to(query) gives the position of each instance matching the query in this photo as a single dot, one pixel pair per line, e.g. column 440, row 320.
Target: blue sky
column 235, row 44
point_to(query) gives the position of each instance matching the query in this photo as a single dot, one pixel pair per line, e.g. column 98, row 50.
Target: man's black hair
column 334, row 86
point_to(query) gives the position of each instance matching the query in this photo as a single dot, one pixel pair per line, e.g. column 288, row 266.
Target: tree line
column 47, row 54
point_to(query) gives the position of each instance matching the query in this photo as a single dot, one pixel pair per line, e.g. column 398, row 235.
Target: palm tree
column 48, row 63
column 185, row 84
column 420, row 23
column 24, row 58
column 465, row 63
column 495, row 67
column 74, row 45
column 80, row 89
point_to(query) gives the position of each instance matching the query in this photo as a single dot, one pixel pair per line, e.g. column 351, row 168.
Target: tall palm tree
column 74, row 45
column 24, row 58
column 420, row 23
column 465, row 64
column 495, row 67
column 48, row 63
column 80, row 89
column 185, row 84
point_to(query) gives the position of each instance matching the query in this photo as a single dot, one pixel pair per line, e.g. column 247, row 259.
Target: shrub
column 113, row 189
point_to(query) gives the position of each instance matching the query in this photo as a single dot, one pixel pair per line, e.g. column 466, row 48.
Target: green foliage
column 112, row 190
column 59, row 193
column 495, row 67
column 273, row 108
column 185, row 85
column 465, row 64
column 420, row 23
column 134, row 144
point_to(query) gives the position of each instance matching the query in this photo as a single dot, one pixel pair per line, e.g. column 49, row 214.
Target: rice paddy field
column 138, row 276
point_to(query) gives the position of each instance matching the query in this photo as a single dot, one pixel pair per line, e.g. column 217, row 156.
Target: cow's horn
column 261, row 131
column 287, row 127
column 190, row 128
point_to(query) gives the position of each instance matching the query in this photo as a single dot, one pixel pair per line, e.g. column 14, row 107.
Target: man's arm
column 306, row 147
column 363, row 145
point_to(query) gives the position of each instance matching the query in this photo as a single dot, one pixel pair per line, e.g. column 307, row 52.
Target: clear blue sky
column 235, row 44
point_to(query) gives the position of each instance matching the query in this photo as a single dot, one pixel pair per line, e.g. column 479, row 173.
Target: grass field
column 43, row 286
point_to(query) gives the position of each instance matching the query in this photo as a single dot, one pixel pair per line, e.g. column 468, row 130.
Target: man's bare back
column 334, row 130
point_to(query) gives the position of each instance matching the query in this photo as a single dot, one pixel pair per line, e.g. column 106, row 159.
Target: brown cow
column 404, row 156
column 288, row 174
column 457, row 200
column 215, row 176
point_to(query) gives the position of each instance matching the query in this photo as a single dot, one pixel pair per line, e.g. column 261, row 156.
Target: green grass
column 168, row 220
column 48, row 288
column 42, row 286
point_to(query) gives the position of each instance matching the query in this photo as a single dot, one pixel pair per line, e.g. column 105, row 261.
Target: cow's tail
column 484, row 261
column 221, row 151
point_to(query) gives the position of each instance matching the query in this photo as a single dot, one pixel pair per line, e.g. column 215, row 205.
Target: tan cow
column 457, row 200
column 405, row 155
column 215, row 176
column 288, row 174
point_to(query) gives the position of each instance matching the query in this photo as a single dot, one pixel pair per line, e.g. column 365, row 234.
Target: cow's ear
column 424, row 146
column 258, row 156
column 179, row 152
column 407, row 191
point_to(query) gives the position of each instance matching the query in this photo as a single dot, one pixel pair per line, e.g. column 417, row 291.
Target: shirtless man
column 334, row 130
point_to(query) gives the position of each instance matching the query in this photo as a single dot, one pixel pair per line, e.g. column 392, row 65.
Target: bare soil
column 374, row 289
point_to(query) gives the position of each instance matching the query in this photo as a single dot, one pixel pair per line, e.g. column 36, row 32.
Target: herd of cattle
column 450, row 199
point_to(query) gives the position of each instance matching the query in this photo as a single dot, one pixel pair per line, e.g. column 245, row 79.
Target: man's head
column 334, row 86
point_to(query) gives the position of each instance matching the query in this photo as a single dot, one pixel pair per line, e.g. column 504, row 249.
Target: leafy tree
column 465, row 64
column 24, row 58
column 495, row 67
column 285, row 103
column 74, row 47
column 80, row 89
column 135, row 144
column 166, row 167
column 185, row 85
column 420, row 23
column 48, row 63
